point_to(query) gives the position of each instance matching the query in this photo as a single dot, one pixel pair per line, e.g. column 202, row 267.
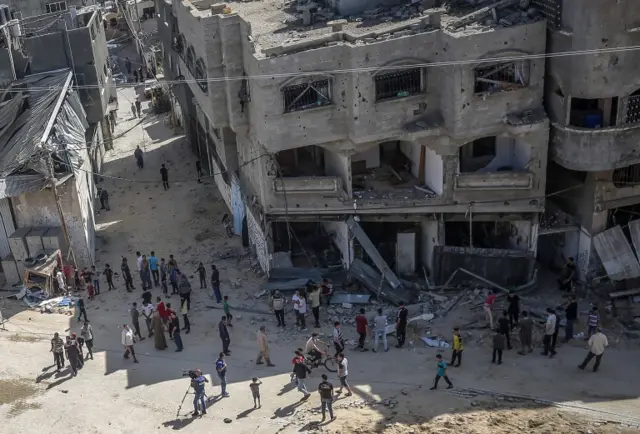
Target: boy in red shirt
column 488, row 307
column 362, row 327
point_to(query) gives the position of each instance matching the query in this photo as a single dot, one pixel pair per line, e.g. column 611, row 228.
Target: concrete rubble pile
column 505, row 13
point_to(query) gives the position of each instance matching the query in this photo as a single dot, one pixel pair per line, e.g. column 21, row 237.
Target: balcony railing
column 313, row 184
column 494, row 181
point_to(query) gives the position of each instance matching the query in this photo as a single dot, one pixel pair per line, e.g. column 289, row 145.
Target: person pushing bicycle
column 313, row 351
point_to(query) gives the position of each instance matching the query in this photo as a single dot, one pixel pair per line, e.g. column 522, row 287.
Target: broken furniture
column 42, row 274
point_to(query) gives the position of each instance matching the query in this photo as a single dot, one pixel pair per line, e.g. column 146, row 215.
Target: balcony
column 588, row 149
column 494, row 181
column 329, row 185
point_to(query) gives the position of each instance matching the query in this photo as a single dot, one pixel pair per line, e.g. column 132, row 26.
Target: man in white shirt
column 302, row 311
column 312, row 350
column 338, row 342
column 342, row 374
column 597, row 344
column 128, row 340
column 61, row 281
column 147, row 311
column 549, row 330
column 296, row 303
column 380, row 330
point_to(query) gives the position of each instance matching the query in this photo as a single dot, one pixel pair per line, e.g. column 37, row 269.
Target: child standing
column 227, row 312
column 457, row 348
column 255, row 391
column 441, row 373
column 593, row 321
column 202, row 273
column 96, row 279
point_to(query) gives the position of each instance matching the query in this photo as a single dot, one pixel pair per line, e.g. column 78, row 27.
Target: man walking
column 185, row 289
column 592, row 321
column 597, row 343
column 441, row 372
column 571, row 314
column 133, row 108
column 135, row 320
column 174, row 323
column 221, row 369
column 126, row 274
column 325, row 389
column 104, row 199
column 138, row 107
column 549, row 330
column 215, row 283
column 224, row 336
column 81, row 309
column 498, row 347
column 73, row 355
column 343, row 371
column 278, row 302
column 401, row 325
column 164, row 173
column 87, row 334
column 137, row 154
column 163, row 277
column 338, row 341
column 314, row 299
column 128, row 339
column 263, row 347
column 456, row 355
column 147, row 313
column 489, row 301
column 301, row 370
column 199, row 170
column 198, row 389
column 526, row 334
column 153, row 265
column 296, row 300
column 202, row 274
column 513, row 309
column 504, row 328
column 108, row 274
column 380, row 331
column 57, row 348
column 302, row 311
column 362, row 327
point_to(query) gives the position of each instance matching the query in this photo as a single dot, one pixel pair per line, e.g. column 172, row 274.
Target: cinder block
column 34, row 240
column 18, row 244
column 54, row 239
column 10, row 270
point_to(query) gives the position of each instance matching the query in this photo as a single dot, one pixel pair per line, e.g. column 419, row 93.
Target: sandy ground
column 390, row 389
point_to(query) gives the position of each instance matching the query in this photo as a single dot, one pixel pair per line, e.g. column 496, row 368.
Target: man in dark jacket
column 301, row 370
column 215, row 283
column 571, row 313
column 503, row 327
column 514, row 309
column 126, row 274
column 401, row 325
column 224, row 335
column 185, row 290
column 73, row 355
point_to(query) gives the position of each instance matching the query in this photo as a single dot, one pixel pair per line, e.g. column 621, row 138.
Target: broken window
column 552, row 11
column 626, row 176
column 632, row 114
column 593, row 113
column 477, row 154
column 501, row 77
column 399, row 84
column 201, row 75
column 307, row 95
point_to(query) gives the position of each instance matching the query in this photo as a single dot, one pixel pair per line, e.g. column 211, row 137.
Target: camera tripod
column 186, row 392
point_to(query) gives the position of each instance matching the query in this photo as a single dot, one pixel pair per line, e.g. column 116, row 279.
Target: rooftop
column 277, row 23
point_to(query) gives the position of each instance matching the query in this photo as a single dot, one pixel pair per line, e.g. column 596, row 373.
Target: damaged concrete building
column 593, row 102
column 409, row 135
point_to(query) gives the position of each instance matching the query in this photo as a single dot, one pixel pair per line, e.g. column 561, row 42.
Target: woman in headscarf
column 159, row 340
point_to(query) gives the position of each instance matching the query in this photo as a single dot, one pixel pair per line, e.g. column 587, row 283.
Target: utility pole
column 137, row 38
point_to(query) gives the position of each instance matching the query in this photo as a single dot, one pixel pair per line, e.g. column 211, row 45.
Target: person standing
column 126, row 274
column 343, row 371
column 255, row 392
column 362, row 327
column 503, row 327
column 161, row 308
column 296, row 303
column 554, row 338
column 159, row 339
column 441, row 372
column 96, row 279
column 164, row 174
column 147, row 313
column 62, row 281
column 597, row 343
column 81, row 309
column 456, row 354
column 526, row 334
column 73, row 355
column 314, row 299
column 302, row 311
column 185, row 290
column 185, row 317
column 278, row 302
column 174, row 323
column 224, row 336
column 139, row 107
column 137, row 154
column 202, row 274
column 338, row 341
column 128, row 339
column 571, row 314
column 198, row 389
column 199, row 170
column 380, row 331
column 145, row 273
column 263, row 347
column 153, row 266
column 549, row 330
column 489, row 301
column 221, row 369
column 57, row 348
column 401, row 325
column 300, row 371
column 104, row 199
column 139, row 268
column 215, row 283
column 592, row 321
column 87, row 334
column 325, row 389
column 513, row 308
column 163, row 277
column 499, row 341
column 108, row 273
column 565, row 281
column 133, row 109
column 227, row 310
column 135, row 320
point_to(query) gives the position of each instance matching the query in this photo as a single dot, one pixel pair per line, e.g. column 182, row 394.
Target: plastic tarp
column 23, row 122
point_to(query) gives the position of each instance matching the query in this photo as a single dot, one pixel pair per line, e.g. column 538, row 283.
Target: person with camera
column 197, row 382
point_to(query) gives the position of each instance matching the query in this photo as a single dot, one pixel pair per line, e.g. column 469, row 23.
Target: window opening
column 399, row 84
column 501, row 77
column 307, row 95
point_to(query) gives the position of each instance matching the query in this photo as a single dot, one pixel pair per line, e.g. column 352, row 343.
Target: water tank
column 5, row 15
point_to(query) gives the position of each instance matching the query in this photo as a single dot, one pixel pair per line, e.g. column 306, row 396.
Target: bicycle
column 329, row 362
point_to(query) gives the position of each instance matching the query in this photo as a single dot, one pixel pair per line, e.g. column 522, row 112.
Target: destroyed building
column 593, row 102
column 406, row 134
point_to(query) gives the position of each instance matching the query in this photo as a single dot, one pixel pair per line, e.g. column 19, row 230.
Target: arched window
column 201, row 75
column 191, row 59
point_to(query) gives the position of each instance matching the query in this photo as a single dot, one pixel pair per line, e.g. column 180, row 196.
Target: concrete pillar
column 339, row 233
column 429, row 238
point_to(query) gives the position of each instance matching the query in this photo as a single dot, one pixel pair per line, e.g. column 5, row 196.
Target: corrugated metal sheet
column 6, row 227
column 616, row 254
